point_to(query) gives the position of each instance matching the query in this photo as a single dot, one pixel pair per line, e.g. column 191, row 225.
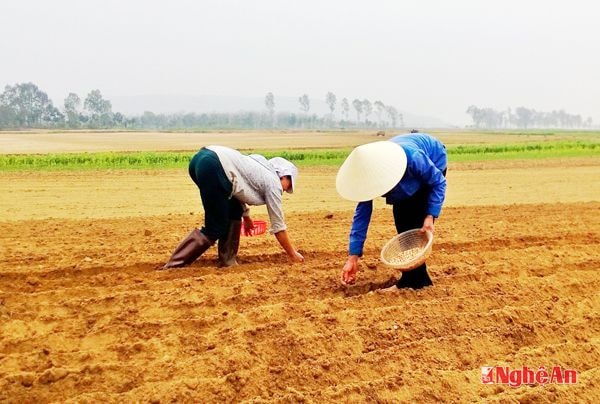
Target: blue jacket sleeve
column 360, row 225
column 433, row 177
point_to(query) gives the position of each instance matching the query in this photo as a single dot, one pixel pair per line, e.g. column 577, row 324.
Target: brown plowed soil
column 85, row 315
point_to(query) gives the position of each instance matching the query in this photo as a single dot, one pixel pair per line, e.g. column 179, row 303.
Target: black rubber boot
column 193, row 246
column 417, row 278
column 229, row 245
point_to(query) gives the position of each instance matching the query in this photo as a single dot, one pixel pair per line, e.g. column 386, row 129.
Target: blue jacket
column 426, row 160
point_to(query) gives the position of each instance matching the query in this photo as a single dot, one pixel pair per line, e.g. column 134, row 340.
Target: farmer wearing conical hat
column 229, row 181
column 409, row 171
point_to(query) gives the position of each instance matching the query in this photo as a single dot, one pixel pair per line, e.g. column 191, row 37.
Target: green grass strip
column 106, row 160
column 167, row 160
column 557, row 149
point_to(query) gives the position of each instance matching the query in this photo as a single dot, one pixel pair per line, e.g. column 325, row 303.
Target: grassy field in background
column 166, row 160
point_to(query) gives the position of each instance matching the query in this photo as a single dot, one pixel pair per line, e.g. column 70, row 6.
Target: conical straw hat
column 370, row 171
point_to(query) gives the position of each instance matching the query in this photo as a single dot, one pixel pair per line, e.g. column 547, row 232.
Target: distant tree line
column 25, row 106
column 524, row 118
column 387, row 116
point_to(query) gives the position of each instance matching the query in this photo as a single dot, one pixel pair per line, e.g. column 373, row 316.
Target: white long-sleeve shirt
column 255, row 182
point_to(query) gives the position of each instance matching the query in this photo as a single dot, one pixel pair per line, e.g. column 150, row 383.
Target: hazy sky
column 423, row 56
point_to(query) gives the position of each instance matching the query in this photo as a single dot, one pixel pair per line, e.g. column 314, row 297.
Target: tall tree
column 508, row 118
column 476, row 115
column 393, row 114
column 270, row 104
column 358, row 107
column 30, row 106
column 99, row 110
column 379, row 109
column 345, row 107
column 8, row 117
column 524, row 116
column 367, row 109
column 304, row 103
column 119, row 119
column 72, row 106
column 331, row 99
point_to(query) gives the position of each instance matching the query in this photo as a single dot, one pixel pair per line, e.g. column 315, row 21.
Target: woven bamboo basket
column 407, row 250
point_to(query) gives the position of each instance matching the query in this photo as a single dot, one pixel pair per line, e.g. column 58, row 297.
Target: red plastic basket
column 260, row 226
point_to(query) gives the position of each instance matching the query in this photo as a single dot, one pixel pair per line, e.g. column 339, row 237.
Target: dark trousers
column 410, row 214
column 206, row 171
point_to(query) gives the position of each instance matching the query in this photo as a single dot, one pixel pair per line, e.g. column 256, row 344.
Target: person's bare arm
column 285, row 242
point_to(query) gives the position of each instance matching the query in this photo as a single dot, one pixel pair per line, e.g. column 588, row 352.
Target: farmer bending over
column 409, row 171
column 230, row 181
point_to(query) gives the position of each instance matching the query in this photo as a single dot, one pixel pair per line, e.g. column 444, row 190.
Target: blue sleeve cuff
column 356, row 248
column 434, row 211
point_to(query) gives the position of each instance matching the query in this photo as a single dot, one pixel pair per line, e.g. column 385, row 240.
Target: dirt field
column 85, row 316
